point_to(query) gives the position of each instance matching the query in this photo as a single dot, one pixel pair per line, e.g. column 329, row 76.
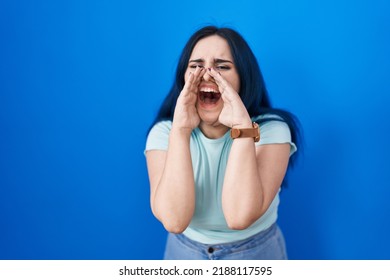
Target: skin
column 253, row 174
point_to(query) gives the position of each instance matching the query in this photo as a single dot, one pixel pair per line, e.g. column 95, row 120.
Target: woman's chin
column 209, row 119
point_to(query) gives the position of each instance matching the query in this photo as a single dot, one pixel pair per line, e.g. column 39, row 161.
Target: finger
column 220, row 81
column 191, row 85
column 197, row 77
column 189, row 81
column 199, row 72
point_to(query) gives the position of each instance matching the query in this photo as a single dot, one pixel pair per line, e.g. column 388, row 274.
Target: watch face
column 235, row 133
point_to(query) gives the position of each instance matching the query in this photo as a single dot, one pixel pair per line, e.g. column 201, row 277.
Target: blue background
column 81, row 81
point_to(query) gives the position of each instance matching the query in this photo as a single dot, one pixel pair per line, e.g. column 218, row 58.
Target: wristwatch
column 253, row 132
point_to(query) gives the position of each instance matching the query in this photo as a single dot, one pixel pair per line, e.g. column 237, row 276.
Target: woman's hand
column 234, row 113
column 186, row 116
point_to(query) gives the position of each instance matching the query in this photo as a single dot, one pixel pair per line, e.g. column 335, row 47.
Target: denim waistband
column 258, row 236
column 267, row 244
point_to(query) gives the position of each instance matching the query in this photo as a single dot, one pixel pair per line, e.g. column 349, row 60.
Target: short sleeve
column 158, row 136
column 276, row 132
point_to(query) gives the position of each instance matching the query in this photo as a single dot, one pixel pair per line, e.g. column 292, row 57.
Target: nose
column 207, row 77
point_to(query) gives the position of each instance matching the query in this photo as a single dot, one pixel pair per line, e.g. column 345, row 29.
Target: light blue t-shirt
column 209, row 159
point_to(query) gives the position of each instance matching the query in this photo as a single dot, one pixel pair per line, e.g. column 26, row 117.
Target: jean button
column 210, row 250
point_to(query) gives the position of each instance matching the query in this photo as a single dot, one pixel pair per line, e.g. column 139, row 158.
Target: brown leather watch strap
column 253, row 132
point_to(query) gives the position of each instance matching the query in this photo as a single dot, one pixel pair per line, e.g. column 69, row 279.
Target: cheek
column 234, row 82
column 236, row 86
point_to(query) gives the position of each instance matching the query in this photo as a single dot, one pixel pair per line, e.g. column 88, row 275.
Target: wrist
column 252, row 132
column 245, row 123
column 183, row 131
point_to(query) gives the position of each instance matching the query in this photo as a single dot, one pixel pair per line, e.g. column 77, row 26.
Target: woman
column 214, row 186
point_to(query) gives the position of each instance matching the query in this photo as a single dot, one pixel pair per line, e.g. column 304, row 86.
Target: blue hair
column 253, row 91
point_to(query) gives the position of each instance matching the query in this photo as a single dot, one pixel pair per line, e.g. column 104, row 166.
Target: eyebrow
column 217, row 60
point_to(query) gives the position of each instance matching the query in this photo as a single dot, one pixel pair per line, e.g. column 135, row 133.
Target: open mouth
column 209, row 95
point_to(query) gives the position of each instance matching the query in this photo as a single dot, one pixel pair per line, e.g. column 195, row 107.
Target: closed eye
column 222, row 67
column 193, row 66
column 219, row 64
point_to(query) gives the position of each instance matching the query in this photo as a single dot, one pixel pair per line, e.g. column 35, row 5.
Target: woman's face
column 212, row 52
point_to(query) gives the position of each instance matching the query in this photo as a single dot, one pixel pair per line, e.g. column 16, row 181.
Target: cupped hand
column 186, row 115
column 234, row 113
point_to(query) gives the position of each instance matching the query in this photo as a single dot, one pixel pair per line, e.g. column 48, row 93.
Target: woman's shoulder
column 273, row 129
column 271, row 122
column 161, row 126
column 267, row 117
column 158, row 136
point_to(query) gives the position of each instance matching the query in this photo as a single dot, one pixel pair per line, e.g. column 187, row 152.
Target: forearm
column 174, row 198
column 242, row 195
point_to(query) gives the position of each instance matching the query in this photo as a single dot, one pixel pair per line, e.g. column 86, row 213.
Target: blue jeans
column 266, row 245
